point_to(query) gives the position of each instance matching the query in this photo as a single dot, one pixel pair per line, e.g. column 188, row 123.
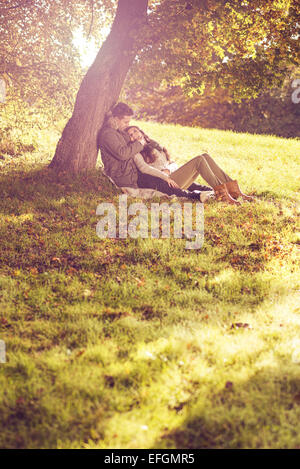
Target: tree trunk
column 100, row 89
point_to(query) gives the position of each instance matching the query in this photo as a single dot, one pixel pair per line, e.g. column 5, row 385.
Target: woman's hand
column 167, row 171
column 172, row 183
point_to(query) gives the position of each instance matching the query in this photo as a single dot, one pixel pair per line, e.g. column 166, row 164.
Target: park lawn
column 142, row 343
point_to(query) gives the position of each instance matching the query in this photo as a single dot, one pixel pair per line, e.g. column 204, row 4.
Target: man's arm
column 115, row 144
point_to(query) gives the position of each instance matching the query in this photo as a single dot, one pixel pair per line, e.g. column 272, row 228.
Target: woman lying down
column 184, row 177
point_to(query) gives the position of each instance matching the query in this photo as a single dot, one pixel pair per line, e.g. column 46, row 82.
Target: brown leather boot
column 222, row 195
column 235, row 192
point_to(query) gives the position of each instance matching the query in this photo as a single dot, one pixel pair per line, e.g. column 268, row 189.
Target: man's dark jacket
column 117, row 155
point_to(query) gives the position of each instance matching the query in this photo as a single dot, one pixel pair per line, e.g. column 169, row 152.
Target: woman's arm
column 146, row 168
column 157, row 146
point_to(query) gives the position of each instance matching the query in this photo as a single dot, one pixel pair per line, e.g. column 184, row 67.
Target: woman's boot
column 222, row 195
column 235, row 192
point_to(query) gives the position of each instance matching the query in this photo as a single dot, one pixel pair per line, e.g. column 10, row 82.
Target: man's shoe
column 205, row 196
column 202, row 196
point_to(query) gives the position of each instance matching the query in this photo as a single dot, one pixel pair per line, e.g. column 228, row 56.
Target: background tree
column 245, row 47
column 37, row 58
column 272, row 112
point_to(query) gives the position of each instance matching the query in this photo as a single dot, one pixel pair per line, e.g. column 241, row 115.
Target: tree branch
column 92, row 19
column 19, row 5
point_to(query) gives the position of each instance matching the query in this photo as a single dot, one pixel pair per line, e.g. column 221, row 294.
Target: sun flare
column 88, row 48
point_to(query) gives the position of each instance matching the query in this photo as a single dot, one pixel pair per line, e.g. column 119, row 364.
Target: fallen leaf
column 297, row 398
column 241, row 325
column 87, row 293
column 179, row 407
column 20, row 401
column 140, row 282
column 229, row 385
column 71, row 271
column 56, row 259
column 110, row 380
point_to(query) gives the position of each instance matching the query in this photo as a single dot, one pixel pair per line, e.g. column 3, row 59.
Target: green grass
column 139, row 343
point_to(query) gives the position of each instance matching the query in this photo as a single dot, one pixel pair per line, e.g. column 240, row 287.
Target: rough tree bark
column 100, row 89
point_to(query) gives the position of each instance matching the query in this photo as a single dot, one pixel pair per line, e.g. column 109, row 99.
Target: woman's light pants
column 204, row 166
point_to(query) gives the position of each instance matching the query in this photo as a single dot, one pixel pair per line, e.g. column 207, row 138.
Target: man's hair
column 121, row 110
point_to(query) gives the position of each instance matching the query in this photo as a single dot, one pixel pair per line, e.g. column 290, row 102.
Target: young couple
column 131, row 159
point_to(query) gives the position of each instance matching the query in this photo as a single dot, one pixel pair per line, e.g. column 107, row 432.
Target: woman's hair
column 147, row 152
column 148, row 140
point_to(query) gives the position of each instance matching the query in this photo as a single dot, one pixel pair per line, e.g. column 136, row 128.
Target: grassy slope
column 130, row 343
